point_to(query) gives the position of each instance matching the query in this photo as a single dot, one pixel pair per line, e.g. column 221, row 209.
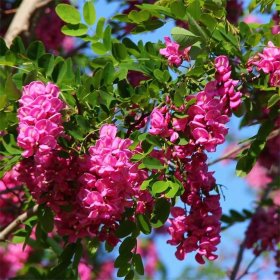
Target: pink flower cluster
column 204, row 125
column 263, row 231
column 107, row 185
column 269, row 62
column 95, row 189
column 173, row 54
column 207, row 118
column 12, row 259
column 39, row 118
column 202, row 226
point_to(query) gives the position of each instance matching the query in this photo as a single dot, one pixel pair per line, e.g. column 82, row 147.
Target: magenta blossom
column 173, row 54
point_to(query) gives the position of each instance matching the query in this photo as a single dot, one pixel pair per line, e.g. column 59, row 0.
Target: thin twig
column 238, row 261
column 248, row 267
column 22, row 17
column 4, row 234
column 242, row 247
column 232, row 154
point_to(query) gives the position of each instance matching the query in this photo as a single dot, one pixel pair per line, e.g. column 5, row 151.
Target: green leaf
column 119, row 51
column 10, row 144
column 174, row 190
column 123, row 259
column 99, row 48
column 35, row 50
column 130, row 275
column 273, row 100
column 46, row 217
column 99, row 27
column 152, row 163
column 46, row 62
column 68, row 13
column 145, row 184
column 138, row 264
column 194, row 9
column 74, row 30
column 183, row 37
column 160, row 213
column 3, row 101
column 78, row 255
column 125, row 228
column 178, row 9
column 197, row 29
column 107, row 38
column 250, row 156
column 143, row 223
column 3, row 47
column 11, row 91
column 160, row 186
column 127, row 245
column 89, row 13
column 59, row 72
column 17, row 46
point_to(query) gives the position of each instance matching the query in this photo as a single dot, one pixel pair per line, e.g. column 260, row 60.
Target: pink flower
column 160, row 119
column 84, row 270
column 251, row 19
column 258, row 177
column 269, row 62
column 12, row 259
column 275, row 196
column 171, row 52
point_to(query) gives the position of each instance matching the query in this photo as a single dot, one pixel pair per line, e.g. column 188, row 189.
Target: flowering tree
column 99, row 148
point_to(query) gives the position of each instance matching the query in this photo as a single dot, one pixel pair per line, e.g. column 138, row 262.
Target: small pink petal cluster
column 173, row 54
column 39, row 118
column 10, row 202
column 85, row 270
column 258, row 178
column 12, row 259
column 269, row 62
column 202, row 226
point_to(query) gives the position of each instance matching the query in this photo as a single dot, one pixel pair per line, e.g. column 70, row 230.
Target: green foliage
column 68, row 13
column 249, row 156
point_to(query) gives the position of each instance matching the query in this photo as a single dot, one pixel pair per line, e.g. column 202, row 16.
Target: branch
column 4, row 234
column 21, row 19
column 248, row 267
column 238, row 260
column 233, row 275
column 232, row 154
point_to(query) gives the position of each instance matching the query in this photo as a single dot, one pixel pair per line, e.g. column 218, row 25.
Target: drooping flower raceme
column 204, row 125
column 40, row 121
